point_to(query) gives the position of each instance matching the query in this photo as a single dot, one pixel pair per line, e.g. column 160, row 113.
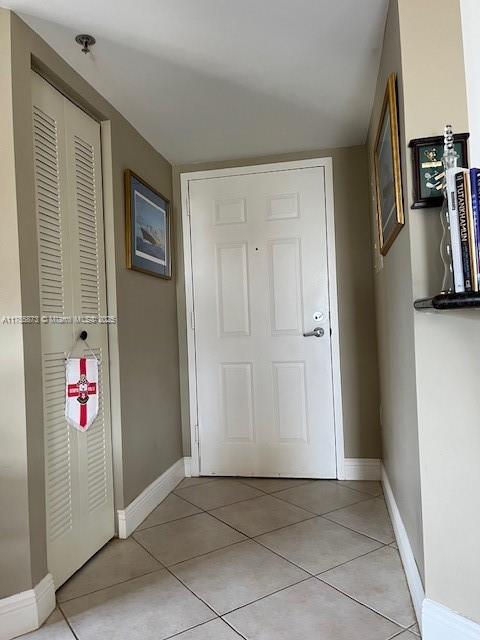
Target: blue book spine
column 475, row 187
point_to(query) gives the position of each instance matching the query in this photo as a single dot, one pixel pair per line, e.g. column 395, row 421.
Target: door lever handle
column 318, row 332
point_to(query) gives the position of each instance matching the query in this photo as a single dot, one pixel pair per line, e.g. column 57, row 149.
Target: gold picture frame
column 388, row 173
column 148, row 228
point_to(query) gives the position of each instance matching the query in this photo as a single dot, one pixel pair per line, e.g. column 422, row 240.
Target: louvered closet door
column 79, row 487
column 84, row 181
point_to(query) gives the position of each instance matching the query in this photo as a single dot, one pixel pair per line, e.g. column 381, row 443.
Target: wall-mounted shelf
column 444, row 301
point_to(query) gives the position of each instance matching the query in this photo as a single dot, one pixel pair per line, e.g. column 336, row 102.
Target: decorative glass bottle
column 450, row 158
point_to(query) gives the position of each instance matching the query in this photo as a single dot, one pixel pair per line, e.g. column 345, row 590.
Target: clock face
column 431, row 168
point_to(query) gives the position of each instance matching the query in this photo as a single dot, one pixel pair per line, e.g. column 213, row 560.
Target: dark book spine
column 462, row 218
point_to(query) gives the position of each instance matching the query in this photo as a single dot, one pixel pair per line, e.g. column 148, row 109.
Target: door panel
column 260, row 273
column 61, row 444
column 232, row 293
column 89, row 294
column 285, row 286
column 79, row 488
column 290, row 401
column 237, row 394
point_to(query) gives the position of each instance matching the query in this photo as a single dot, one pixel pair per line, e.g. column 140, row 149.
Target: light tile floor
column 256, row 558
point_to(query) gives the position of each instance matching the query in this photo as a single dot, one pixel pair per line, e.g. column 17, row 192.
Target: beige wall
column 447, row 344
column 16, row 538
column 355, row 296
column 395, row 321
column 144, row 351
column 432, row 358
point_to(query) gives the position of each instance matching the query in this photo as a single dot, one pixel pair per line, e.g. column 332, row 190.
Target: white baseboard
column 188, row 466
column 408, row 559
column 441, row 623
column 362, row 469
column 149, row 499
column 26, row 611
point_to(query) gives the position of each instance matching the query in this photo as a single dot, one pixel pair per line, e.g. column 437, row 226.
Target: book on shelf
column 475, row 190
column 451, row 195
column 465, row 244
column 472, row 247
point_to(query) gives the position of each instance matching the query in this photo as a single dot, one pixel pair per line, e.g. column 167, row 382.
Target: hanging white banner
column 81, row 397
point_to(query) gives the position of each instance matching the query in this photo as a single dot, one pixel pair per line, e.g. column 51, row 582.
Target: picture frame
column 387, row 168
column 147, row 228
column 428, row 168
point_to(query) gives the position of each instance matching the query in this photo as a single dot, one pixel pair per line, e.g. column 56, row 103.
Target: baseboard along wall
column 129, row 518
column 362, row 469
column 406, row 553
column 26, row 611
column 441, row 623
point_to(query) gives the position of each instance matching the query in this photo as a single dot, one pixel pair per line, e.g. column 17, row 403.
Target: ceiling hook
column 86, row 41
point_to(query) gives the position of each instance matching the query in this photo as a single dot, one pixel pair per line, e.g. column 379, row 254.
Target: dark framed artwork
column 388, row 175
column 147, row 228
column 428, row 172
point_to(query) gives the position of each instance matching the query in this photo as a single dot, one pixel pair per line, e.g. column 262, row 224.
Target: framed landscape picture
column 388, row 176
column 428, row 171
column 148, row 228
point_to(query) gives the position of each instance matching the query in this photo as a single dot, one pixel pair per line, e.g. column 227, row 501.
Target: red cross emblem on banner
column 82, row 390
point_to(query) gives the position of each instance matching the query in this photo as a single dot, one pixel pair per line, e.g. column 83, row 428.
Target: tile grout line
column 386, row 544
column 247, row 604
column 233, row 629
column 342, row 564
column 159, row 524
column 228, row 504
column 287, row 526
column 216, row 615
column 321, row 514
column 202, row 555
column 115, row 584
column 309, row 575
column 347, row 595
column 372, row 495
column 244, row 480
column 397, row 635
column 350, row 505
column 197, row 626
column 67, row 621
column 273, row 495
column 220, row 615
column 252, row 539
column 402, row 629
column 161, row 567
column 366, row 496
column 314, row 515
column 243, row 606
column 236, row 479
column 300, row 484
column 312, row 575
column 199, row 484
column 247, row 537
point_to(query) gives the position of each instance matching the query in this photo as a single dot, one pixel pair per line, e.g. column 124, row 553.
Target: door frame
column 185, row 178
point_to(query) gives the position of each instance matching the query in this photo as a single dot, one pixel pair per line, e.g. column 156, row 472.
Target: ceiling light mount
column 86, row 41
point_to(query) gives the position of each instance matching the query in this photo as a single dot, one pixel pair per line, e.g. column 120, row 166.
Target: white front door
column 68, row 189
column 260, row 281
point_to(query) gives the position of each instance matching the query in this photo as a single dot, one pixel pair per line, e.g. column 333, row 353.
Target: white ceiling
column 220, row 79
